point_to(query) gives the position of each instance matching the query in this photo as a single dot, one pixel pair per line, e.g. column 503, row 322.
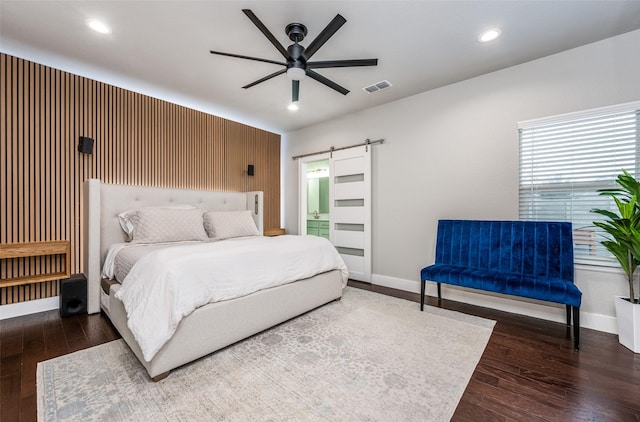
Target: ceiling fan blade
column 324, row 36
column 273, row 75
column 318, row 77
column 266, row 32
column 247, row 57
column 295, row 91
column 342, row 63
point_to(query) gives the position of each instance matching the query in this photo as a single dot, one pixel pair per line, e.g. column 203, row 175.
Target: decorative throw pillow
column 227, row 224
column 125, row 217
column 155, row 225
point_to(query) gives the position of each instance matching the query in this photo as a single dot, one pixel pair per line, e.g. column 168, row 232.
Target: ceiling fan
column 297, row 63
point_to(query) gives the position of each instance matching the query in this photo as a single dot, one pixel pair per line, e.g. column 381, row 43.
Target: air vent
column 376, row 87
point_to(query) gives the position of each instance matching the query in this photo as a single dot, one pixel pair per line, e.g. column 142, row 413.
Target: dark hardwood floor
column 528, row 372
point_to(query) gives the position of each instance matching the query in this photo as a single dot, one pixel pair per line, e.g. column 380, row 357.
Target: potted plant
column 623, row 241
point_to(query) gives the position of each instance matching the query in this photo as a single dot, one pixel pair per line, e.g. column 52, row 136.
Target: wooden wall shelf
column 32, row 249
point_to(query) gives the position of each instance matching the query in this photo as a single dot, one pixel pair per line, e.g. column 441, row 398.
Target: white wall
column 453, row 153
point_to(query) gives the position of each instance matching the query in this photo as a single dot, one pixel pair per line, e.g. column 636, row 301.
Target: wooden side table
column 274, row 232
column 31, row 249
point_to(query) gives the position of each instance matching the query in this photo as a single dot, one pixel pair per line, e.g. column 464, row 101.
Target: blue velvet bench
column 531, row 259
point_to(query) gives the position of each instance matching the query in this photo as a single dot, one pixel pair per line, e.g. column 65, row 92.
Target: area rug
column 367, row 357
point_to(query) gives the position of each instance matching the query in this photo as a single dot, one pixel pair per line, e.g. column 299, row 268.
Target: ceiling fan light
column 295, row 73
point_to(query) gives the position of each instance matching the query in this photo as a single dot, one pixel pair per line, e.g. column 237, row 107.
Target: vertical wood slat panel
column 139, row 140
column 4, row 164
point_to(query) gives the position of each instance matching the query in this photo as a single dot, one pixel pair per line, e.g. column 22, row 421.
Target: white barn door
column 350, row 209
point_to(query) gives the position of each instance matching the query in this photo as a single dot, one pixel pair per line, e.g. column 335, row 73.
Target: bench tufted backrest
column 538, row 248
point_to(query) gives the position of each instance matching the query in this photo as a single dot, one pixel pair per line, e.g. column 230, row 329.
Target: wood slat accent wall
column 139, row 140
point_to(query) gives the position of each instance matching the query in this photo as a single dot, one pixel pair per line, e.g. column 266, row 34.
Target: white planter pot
column 628, row 316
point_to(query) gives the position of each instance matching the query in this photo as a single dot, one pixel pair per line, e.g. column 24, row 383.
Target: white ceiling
column 161, row 48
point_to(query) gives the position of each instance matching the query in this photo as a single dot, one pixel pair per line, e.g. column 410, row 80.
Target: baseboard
column 536, row 309
column 29, row 307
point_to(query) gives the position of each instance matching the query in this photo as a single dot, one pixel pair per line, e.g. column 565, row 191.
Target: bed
column 209, row 327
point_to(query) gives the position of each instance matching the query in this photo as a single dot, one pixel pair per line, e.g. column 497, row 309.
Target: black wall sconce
column 85, row 145
column 250, row 170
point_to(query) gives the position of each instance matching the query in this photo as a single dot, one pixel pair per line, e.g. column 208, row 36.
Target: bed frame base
column 217, row 325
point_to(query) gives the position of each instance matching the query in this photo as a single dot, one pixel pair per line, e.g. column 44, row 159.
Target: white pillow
column 156, row 225
column 227, row 224
column 124, row 218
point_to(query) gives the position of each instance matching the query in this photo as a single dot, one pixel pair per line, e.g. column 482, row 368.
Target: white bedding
column 169, row 284
column 122, row 256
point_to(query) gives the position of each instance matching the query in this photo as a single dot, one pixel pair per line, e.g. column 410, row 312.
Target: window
column 565, row 159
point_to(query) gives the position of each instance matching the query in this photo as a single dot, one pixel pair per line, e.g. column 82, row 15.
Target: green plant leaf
column 622, row 230
column 606, row 213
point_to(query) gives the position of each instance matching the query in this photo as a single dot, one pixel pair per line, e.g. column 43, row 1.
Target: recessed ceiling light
column 292, row 107
column 489, row 35
column 98, row 26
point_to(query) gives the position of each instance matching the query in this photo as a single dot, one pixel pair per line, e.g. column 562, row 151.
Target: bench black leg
column 576, row 327
column 568, row 314
column 439, row 292
column 422, row 286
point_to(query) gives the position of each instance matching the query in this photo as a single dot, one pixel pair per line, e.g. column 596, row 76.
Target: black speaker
column 85, row 145
column 73, row 295
column 250, row 170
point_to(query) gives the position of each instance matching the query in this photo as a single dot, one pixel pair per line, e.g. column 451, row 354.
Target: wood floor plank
column 78, row 343
column 532, row 387
column 474, row 408
column 11, row 364
column 72, row 327
column 605, row 406
column 10, row 397
column 26, row 405
column 11, row 345
column 513, row 404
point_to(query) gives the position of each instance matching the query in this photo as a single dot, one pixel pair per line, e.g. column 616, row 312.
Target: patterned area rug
column 368, row 357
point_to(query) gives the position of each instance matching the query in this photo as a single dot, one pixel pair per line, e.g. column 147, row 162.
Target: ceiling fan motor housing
column 295, row 53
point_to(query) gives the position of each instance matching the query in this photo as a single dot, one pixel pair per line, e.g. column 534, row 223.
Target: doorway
column 339, row 184
column 314, row 197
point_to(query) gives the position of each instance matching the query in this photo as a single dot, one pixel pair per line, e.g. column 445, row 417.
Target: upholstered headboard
column 103, row 202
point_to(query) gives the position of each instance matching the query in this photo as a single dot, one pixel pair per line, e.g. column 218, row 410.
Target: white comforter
column 169, row 284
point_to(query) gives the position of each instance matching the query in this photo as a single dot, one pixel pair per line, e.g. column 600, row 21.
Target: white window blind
column 565, row 159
